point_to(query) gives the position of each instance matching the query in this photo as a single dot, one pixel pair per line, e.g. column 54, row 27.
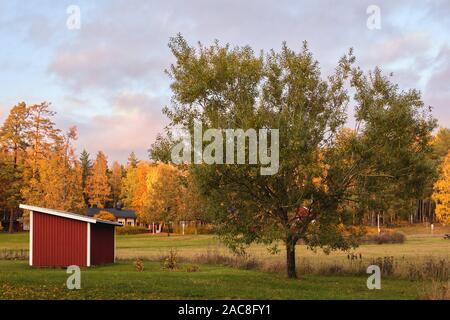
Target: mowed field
column 122, row 281
column 333, row 276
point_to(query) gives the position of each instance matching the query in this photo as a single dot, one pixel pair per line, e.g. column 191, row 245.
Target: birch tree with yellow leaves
column 97, row 184
column 441, row 194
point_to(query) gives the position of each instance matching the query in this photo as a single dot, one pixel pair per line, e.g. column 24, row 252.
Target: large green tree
column 319, row 174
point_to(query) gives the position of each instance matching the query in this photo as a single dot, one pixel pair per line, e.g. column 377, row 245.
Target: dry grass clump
column 20, row 254
column 387, row 265
column 423, row 268
column 438, row 270
column 437, row 291
column 214, row 256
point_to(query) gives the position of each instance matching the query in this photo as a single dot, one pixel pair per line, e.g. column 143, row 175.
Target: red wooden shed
column 60, row 239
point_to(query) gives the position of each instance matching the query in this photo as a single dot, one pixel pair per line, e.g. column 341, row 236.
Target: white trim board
column 88, row 258
column 30, row 252
column 68, row 215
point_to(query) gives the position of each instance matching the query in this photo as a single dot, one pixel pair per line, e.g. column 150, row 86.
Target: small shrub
column 131, row 230
column 170, row 262
column 385, row 237
column 139, row 265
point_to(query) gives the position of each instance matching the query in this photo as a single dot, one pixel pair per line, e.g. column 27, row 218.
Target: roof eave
column 68, row 215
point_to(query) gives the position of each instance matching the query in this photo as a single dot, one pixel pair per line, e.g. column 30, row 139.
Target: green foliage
column 321, row 168
column 160, row 149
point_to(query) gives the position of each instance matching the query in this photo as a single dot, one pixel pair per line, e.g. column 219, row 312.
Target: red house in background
column 61, row 239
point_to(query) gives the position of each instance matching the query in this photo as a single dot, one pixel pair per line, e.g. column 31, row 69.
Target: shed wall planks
column 58, row 241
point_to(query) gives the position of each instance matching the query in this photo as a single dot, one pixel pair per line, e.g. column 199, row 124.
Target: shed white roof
column 68, row 215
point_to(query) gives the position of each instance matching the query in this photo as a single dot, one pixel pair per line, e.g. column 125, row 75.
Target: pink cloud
column 437, row 90
column 132, row 125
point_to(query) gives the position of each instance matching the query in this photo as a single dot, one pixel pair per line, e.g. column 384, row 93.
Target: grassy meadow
column 122, row 281
column 409, row 271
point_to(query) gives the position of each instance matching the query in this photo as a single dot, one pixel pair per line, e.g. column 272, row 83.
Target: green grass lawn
column 122, row 281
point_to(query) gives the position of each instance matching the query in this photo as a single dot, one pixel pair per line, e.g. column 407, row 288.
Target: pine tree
column 86, row 167
column 442, row 192
column 97, row 184
column 132, row 160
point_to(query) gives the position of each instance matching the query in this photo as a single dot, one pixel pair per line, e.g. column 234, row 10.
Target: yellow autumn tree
column 140, row 197
column 116, row 182
column 97, row 184
column 165, row 193
column 128, row 187
column 41, row 136
column 60, row 176
column 441, row 194
column 134, row 191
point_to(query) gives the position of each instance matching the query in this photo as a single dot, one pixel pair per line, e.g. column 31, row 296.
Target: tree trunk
column 11, row 221
column 290, row 259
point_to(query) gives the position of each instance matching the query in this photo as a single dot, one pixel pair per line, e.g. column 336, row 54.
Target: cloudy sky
column 108, row 79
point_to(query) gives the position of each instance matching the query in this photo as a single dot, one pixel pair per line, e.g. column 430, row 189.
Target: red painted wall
column 102, row 244
column 58, row 241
